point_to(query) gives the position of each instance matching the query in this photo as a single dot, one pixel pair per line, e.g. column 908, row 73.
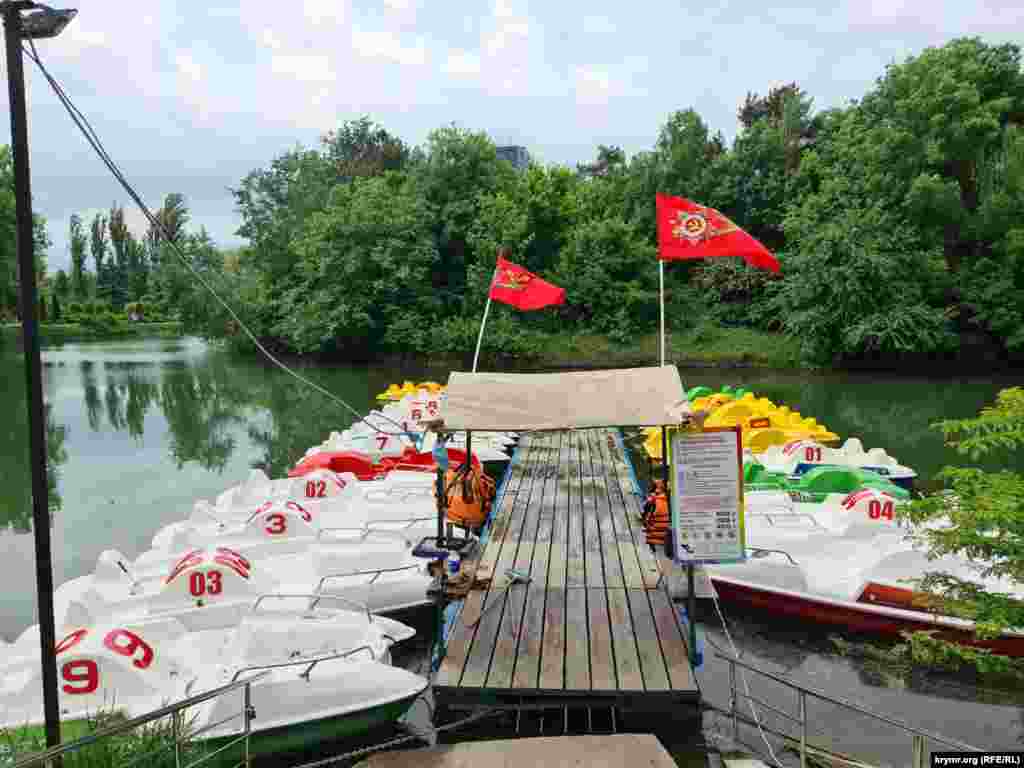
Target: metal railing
column 919, row 740
column 179, row 738
column 364, row 533
column 376, row 573
column 314, row 599
column 760, row 552
column 308, row 663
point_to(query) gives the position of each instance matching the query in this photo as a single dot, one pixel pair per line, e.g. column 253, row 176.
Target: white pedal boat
column 212, row 586
column 797, row 457
column 310, row 665
column 329, row 499
column 851, row 565
column 377, row 445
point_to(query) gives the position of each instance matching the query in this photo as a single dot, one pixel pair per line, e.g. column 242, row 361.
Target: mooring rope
column 401, row 740
column 93, row 139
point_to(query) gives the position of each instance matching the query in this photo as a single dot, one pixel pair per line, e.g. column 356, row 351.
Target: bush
column 737, row 292
column 851, row 290
column 504, row 337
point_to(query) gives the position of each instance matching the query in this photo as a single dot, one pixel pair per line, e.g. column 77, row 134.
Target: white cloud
column 320, row 11
column 373, row 44
column 188, row 67
column 462, row 63
column 305, row 67
column 402, row 12
column 593, row 86
column 510, row 29
column 271, row 41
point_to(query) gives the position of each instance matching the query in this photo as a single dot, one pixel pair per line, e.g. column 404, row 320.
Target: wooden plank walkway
column 594, row 623
column 619, row 751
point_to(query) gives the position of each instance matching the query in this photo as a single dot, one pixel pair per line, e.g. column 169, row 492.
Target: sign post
column 706, row 500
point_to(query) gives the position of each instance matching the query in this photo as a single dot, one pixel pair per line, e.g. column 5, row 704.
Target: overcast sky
column 189, row 96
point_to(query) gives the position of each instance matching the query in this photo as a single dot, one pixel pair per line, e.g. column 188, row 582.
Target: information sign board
column 706, row 488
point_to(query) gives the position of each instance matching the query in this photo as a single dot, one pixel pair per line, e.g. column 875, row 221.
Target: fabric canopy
column 537, row 401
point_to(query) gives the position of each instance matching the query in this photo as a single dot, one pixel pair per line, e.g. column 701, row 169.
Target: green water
column 140, row 429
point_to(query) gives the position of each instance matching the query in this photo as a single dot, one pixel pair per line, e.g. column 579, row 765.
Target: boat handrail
column 375, row 571
column 266, row 668
column 803, row 691
column 315, row 598
column 774, row 551
column 46, row 757
column 409, row 523
column 367, row 531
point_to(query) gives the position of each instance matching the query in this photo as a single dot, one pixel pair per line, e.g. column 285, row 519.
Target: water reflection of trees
column 200, row 404
column 16, row 491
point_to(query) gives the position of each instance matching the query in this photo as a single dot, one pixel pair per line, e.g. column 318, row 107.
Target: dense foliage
column 983, row 514
column 897, row 220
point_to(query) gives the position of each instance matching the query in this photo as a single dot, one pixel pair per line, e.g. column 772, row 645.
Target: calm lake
column 141, row 429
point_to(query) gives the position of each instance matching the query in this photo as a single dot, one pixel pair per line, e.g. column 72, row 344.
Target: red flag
column 513, row 285
column 687, row 230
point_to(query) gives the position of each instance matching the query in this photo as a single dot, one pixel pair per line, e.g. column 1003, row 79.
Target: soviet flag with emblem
column 522, row 289
column 687, row 230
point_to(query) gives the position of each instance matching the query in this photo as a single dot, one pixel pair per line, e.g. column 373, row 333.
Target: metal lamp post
column 43, row 22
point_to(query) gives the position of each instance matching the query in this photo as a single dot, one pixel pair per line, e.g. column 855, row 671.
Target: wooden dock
column 594, row 626
column 592, row 751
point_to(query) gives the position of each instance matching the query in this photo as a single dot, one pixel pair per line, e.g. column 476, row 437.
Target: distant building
column 518, row 156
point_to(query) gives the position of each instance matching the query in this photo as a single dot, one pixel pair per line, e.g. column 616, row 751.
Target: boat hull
column 858, row 617
column 306, row 735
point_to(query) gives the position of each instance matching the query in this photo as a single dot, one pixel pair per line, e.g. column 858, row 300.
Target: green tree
column 459, row 167
column 936, row 118
column 79, row 242
column 9, row 274
column 119, row 275
column 55, row 310
column 274, row 204
column 365, row 261
column 608, row 160
column 98, row 248
column 852, row 289
column 61, row 284
column 362, row 148
column 138, row 267
column 979, row 516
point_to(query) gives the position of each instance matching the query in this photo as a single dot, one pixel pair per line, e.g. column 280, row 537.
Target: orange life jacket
column 469, row 497
column 659, row 521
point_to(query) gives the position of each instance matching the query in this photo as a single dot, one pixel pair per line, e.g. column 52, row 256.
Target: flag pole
column 661, row 281
column 480, row 337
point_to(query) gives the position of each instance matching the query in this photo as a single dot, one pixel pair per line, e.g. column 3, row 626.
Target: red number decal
column 70, row 641
column 316, row 489
column 134, row 642
column 812, row 453
column 200, row 583
column 417, row 414
column 80, row 671
column 432, row 407
column 877, row 510
column 382, row 440
column 276, row 523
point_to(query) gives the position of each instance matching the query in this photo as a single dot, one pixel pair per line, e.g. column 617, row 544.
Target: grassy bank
column 703, row 346
column 77, row 331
